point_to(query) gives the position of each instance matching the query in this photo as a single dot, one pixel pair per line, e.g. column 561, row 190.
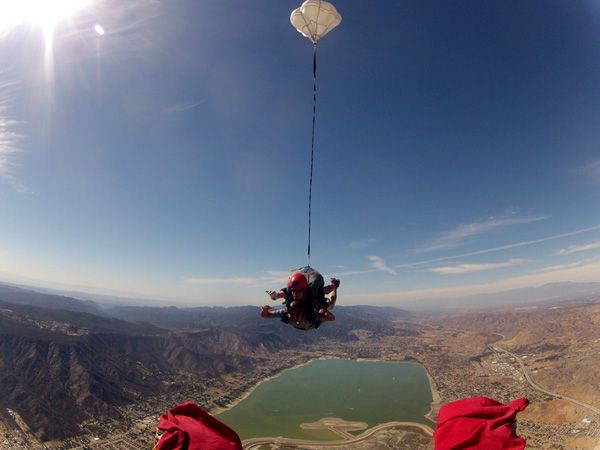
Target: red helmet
column 298, row 281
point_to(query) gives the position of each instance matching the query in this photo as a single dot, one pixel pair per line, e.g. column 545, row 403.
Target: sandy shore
column 436, row 399
column 253, row 387
column 255, row 443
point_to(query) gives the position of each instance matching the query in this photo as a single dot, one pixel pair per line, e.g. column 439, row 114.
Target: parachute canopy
column 315, row 18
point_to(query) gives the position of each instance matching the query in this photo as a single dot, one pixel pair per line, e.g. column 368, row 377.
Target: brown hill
column 560, row 343
column 58, row 368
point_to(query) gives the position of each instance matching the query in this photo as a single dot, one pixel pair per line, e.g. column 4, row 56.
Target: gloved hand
column 326, row 315
column 335, row 282
column 272, row 294
column 264, row 311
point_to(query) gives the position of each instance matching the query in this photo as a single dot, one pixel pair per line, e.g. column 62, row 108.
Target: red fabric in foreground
column 479, row 423
column 189, row 427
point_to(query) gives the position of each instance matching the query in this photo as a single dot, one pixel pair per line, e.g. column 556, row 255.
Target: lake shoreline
column 436, row 398
column 252, row 388
column 435, row 403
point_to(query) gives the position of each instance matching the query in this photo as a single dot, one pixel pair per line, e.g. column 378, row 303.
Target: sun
column 42, row 13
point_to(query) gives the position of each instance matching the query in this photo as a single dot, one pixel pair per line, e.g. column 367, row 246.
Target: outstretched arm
column 335, row 283
column 265, row 311
column 275, row 294
column 331, row 290
column 325, row 315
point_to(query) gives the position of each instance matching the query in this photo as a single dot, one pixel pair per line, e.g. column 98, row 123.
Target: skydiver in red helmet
column 306, row 304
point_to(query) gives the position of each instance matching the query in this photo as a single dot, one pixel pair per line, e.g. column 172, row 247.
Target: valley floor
column 465, row 356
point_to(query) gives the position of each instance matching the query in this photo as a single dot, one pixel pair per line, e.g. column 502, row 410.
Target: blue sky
column 457, row 148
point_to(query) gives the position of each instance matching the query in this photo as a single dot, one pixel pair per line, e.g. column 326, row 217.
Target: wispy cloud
column 578, row 248
column 352, row 273
column 467, row 268
column 497, row 249
column 278, row 273
column 453, row 238
column 566, row 266
column 379, row 264
column 276, row 278
column 271, row 278
column 221, row 281
column 181, row 107
column 590, row 171
column 8, row 146
column 9, row 137
column 361, row 244
column 581, row 273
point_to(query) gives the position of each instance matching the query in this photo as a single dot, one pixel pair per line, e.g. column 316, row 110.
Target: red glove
column 335, row 282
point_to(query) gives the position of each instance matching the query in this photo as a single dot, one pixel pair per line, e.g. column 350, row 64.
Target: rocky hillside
column 59, row 368
column 18, row 295
column 61, row 365
column 560, row 342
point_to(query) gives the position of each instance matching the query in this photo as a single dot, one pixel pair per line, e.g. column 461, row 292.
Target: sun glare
column 42, row 13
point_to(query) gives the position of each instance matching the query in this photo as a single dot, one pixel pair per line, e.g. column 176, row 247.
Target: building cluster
column 458, row 369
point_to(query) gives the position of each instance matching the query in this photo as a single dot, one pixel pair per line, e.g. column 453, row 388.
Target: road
column 497, row 349
column 255, row 443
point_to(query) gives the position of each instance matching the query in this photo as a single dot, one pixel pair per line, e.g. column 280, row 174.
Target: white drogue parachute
column 315, row 18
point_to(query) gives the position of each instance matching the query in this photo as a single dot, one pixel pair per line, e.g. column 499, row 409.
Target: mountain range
column 514, row 297
column 64, row 361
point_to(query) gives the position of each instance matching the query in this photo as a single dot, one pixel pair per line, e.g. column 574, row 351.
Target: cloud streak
column 578, row 248
column 272, row 278
column 361, row 244
column 415, row 264
column 581, row 273
column 352, row 273
column 591, row 171
column 379, row 264
column 181, row 107
column 468, row 268
column 221, row 281
column 453, row 238
column 9, row 138
column 566, row 266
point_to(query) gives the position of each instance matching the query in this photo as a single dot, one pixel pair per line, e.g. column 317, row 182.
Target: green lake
column 363, row 391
